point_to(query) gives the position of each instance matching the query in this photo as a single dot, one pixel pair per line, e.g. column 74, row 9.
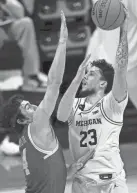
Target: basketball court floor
column 12, row 177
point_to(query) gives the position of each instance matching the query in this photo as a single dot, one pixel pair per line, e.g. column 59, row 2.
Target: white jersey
column 97, row 127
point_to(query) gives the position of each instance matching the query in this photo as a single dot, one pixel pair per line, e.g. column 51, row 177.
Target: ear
column 103, row 84
column 22, row 122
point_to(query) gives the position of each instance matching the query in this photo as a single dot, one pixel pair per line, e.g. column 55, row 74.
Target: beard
column 86, row 92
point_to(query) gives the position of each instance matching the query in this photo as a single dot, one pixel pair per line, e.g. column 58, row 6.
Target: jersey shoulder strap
column 76, row 104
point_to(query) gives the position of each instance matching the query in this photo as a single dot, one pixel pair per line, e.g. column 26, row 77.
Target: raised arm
column 66, row 103
column 119, row 88
column 56, row 72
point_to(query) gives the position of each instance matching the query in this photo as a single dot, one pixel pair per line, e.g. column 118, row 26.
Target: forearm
column 58, row 65
column 55, row 77
column 66, row 103
column 122, row 51
column 119, row 88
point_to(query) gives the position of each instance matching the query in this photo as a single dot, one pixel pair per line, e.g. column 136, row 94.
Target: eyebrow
column 93, row 71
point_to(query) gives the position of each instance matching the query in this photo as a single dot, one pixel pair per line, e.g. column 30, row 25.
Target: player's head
column 99, row 76
column 17, row 111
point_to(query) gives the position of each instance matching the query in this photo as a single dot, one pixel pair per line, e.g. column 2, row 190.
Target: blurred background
column 45, row 15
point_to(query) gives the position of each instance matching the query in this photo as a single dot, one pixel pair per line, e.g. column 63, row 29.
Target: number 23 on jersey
column 88, row 138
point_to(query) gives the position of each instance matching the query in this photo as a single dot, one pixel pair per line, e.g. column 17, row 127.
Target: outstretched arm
column 119, row 88
column 55, row 75
column 66, row 103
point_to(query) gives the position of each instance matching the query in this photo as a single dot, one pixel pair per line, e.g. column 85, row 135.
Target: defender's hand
column 124, row 26
column 63, row 29
column 73, row 168
column 84, row 159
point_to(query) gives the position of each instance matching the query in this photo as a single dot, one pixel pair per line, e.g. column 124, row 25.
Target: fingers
column 86, row 157
column 85, row 62
column 79, row 165
column 63, row 29
column 63, row 18
column 76, row 166
column 125, row 8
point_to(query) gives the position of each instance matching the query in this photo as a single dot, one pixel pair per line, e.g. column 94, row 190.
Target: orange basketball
column 108, row 14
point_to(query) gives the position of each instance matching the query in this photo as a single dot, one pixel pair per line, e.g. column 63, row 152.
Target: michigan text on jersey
column 89, row 122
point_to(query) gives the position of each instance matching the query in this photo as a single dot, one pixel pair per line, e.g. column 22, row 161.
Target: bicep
column 41, row 131
column 119, row 88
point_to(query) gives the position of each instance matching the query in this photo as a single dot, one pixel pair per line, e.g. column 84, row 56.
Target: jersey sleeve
column 112, row 109
column 74, row 109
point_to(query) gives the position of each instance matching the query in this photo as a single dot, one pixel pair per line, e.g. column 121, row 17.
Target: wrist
column 62, row 40
column 124, row 26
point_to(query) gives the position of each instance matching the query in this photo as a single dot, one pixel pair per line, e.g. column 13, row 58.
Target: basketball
column 108, row 14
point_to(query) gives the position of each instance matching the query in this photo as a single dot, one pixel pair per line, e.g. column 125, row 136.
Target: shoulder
column 110, row 100
column 113, row 109
column 77, row 102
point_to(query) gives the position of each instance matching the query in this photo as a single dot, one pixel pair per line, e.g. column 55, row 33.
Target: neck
column 93, row 98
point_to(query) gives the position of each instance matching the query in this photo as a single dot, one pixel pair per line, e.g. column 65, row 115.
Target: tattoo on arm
column 122, row 51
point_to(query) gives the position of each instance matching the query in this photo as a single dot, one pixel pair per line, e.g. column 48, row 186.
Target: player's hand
column 63, row 29
column 73, row 169
column 84, row 159
column 82, row 68
column 124, row 26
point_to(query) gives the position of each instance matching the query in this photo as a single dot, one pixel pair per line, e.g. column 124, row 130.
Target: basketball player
column 95, row 122
column 42, row 156
column 100, row 47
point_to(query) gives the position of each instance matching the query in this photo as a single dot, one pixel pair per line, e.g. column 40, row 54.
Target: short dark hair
column 10, row 112
column 107, row 72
